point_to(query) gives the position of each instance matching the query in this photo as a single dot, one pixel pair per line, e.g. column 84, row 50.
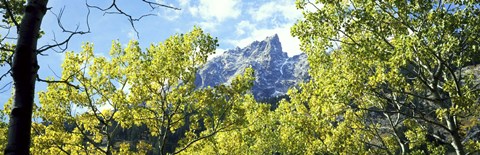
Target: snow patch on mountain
column 275, row 72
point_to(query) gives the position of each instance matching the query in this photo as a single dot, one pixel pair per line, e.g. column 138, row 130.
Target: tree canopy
column 390, row 77
column 98, row 97
column 387, row 77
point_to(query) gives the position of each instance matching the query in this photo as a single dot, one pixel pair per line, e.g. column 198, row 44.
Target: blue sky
column 234, row 22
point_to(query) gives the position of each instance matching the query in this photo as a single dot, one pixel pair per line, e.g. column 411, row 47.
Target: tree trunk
column 24, row 72
column 456, row 140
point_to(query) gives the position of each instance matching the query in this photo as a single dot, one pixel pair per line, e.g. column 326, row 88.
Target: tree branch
column 71, row 33
column 10, row 14
column 114, row 9
column 59, row 81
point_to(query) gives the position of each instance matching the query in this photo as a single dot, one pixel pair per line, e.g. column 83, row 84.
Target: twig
column 114, row 9
column 58, row 81
column 9, row 12
column 8, row 84
column 67, row 40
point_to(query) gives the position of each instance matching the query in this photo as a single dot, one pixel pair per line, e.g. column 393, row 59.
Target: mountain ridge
column 275, row 72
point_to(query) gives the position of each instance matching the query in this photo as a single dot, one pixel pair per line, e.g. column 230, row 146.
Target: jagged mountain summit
column 275, row 72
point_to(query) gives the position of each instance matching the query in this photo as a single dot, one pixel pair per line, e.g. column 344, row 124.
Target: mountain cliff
column 275, row 72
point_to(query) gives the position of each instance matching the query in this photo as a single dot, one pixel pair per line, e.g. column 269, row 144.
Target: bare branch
column 5, row 86
column 6, row 35
column 58, row 81
column 63, row 45
column 154, row 5
column 53, row 72
column 5, row 74
column 10, row 14
column 114, row 9
column 8, row 84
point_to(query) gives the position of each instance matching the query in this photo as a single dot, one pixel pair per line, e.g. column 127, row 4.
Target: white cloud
column 218, row 10
column 285, row 8
column 273, row 17
column 290, row 44
column 244, row 26
column 132, row 34
column 183, row 3
column 193, row 10
column 171, row 14
column 218, row 52
column 208, row 26
column 210, row 13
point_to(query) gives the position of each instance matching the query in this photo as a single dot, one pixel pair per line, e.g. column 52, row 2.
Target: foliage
column 16, row 8
column 388, row 77
column 3, row 130
column 256, row 134
column 148, row 93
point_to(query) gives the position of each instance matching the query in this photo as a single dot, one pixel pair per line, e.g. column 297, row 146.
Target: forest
column 386, row 77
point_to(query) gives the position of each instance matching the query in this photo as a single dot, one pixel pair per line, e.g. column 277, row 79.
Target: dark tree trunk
column 24, row 71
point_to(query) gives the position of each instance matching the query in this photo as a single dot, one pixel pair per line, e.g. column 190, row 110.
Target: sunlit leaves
column 98, row 97
column 16, row 8
column 3, row 130
column 374, row 64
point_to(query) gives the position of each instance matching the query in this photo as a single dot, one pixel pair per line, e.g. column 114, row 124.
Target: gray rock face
column 275, row 72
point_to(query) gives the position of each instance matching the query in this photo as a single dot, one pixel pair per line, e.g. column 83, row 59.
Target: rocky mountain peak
column 275, row 72
column 274, row 37
column 270, row 47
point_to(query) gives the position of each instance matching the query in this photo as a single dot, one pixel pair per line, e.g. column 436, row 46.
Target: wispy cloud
column 131, row 34
column 289, row 44
column 183, row 3
column 218, row 52
column 171, row 14
column 244, row 26
column 267, row 19
column 209, row 26
column 284, row 8
column 216, row 10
